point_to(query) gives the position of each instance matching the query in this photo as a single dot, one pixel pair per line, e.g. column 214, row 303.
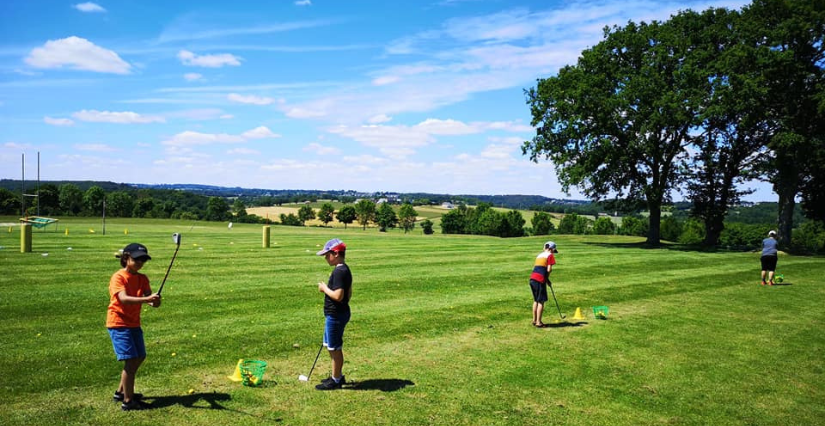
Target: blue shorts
column 128, row 343
column 334, row 332
column 539, row 291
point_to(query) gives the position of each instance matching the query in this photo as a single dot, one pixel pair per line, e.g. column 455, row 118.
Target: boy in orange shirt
column 128, row 291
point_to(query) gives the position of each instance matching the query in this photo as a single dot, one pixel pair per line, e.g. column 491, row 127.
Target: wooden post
column 266, row 236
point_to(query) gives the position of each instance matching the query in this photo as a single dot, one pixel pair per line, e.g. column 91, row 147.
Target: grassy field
column 440, row 332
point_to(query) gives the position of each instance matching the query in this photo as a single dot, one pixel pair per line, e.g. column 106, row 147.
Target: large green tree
column 407, row 216
column 365, row 211
column 733, row 127
column 617, row 123
column 71, row 199
column 346, row 215
column 119, row 204
column 325, row 213
column 791, row 36
column 385, row 217
column 217, row 209
column 305, row 213
column 93, row 200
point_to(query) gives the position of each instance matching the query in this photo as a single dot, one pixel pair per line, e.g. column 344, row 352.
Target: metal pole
column 23, row 186
column 104, row 214
column 38, row 183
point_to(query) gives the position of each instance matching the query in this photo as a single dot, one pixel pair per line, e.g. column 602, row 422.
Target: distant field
column 440, row 332
column 433, row 213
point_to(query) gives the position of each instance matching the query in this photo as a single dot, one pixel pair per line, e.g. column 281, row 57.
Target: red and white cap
column 335, row 245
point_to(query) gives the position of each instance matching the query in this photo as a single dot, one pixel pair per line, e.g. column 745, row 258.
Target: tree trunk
column 654, row 229
column 786, row 188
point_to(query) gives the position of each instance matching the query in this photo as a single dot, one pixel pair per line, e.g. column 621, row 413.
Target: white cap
column 771, row 233
column 550, row 245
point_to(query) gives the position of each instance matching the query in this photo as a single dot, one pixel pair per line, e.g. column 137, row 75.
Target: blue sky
column 405, row 96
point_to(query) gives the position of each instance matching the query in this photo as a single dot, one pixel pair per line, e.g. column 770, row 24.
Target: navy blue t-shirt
column 341, row 277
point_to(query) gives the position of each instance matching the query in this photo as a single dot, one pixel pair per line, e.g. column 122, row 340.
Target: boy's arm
column 336, row 295
column 134, row 300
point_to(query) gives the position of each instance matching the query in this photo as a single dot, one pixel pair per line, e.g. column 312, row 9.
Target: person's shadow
column 383, row 385
column 213, row 400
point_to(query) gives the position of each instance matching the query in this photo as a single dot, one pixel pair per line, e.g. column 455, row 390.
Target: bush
column 809, row 238
column 671, row 228
column 744, row 236
column 427, row 226
column 693, row 232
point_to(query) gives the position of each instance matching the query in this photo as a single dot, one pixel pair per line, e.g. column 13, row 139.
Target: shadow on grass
column 384, row 385
column 672, row 247
column 564, row 324
column 213, row 399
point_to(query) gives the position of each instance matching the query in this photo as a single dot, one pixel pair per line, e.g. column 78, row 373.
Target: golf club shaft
column 168, row 269
column 316, row 360
column 549, row 284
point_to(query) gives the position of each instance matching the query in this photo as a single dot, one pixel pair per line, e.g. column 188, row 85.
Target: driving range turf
column 440, row 332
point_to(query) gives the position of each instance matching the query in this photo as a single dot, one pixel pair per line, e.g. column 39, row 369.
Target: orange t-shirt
column 118, row 314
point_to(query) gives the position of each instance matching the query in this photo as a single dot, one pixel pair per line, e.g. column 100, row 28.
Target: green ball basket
column 779, row 278
column 600, row 312
column 252, row 372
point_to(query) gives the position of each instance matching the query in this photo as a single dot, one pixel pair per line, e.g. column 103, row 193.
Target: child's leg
column 127, row 378
column 337, row 358
column 539, row 312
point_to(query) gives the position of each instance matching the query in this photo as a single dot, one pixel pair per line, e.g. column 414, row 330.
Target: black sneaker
column 134, row 405
column 329, row 384
column 118, row 396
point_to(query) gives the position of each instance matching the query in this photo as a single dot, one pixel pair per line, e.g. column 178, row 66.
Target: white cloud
column 208, row 61
column 383, row 81
column 189, row 138
column 392, row 141
column 196, row 114
column 303, row 3
column 261, row 132
column 242, row 151
column 251, row 99
column 89, row 7
column 124, row 117
column 378, row 119
column 193, row 76
column 79, row 54
column 304, row 113
column 95, row 147
column 58, row 121
column 445, row 127
column 319, row 149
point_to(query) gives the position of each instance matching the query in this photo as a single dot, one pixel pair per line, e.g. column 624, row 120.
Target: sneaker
column 134, row 405
column 330, row 384
column 118, row 396
column 763, row 282
column 770, row 282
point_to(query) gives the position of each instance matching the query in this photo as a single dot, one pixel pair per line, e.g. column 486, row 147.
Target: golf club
column 306, row 378
column 176, row 239
column 549, row 284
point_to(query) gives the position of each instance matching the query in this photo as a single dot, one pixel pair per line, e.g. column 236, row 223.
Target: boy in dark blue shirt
column 337, row 292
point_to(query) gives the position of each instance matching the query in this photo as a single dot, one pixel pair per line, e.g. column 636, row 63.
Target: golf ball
column 190, row 391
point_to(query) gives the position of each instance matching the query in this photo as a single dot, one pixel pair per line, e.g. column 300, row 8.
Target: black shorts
column 768, row 263
column 539, row 291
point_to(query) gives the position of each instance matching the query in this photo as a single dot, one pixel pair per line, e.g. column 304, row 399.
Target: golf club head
column 303, row 378
column 176, row 238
